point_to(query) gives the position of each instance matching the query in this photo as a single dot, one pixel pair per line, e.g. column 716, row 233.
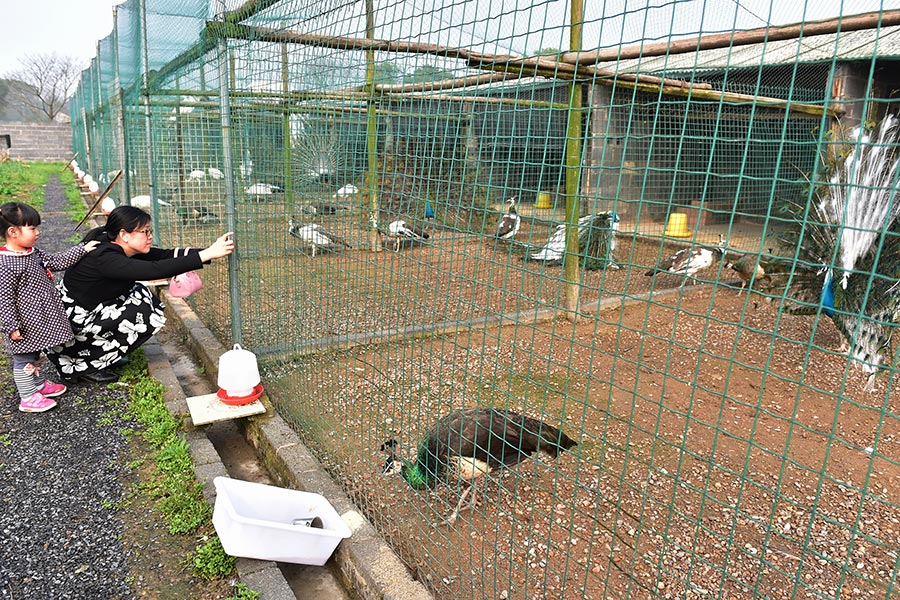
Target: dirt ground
column 725, row 448
column 713, row 458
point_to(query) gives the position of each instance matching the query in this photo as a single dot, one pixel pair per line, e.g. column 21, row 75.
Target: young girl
column 32, row 318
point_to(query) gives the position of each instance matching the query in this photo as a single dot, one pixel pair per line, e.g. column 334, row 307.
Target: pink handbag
column 182, row 286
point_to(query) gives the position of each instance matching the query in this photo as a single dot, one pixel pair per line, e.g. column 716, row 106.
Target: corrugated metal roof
column 850, row 45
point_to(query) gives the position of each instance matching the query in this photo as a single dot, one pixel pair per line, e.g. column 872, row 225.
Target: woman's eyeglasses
column 148, row 231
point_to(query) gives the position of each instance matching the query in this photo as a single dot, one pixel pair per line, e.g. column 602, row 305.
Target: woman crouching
column 110, row 312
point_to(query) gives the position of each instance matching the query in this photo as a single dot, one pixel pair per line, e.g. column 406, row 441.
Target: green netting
column 727, row 445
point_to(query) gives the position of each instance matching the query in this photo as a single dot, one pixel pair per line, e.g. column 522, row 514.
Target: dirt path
column 71, row 524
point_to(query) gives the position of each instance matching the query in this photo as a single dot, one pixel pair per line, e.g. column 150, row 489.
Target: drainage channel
column 241, row 462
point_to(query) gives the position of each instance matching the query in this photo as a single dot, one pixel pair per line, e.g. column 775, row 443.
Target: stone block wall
column 38, row 142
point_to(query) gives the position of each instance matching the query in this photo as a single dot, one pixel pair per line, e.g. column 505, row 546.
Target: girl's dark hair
column 129, row 218
column 16, row 214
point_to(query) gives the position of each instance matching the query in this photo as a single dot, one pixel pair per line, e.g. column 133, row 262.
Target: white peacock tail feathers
column 861, row 195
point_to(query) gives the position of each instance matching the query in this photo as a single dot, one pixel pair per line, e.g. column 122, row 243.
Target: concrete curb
column 369, row 567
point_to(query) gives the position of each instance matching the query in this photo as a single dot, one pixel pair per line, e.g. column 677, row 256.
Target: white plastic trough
column 260, row 521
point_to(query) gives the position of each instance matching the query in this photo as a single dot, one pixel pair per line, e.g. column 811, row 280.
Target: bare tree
column 46, row 82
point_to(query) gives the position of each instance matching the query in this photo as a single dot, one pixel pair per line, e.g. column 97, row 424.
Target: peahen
column 847, row 244
column 688, row 261
column 470, row 443
column 509, row 223
column 750, row 268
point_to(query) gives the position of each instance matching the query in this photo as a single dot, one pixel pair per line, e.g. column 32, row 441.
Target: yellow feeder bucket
column 543, row 200
column 676, row 226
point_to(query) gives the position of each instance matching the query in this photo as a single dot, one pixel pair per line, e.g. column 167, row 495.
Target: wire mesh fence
column 660, row 242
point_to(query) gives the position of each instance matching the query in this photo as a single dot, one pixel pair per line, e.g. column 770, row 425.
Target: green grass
column 210, row 561
column 178, row 495
column 14, row 180
column 242, row 592
column 25, row 182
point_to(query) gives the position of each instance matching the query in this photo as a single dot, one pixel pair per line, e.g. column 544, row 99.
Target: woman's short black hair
column 128, row 218
column 16, row 214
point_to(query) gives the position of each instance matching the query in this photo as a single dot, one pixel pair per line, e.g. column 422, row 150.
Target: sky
column 67, row 27
column 73, row 27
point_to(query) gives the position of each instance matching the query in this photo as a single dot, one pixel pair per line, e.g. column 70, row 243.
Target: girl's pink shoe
column 52, row 390
column 37, row 403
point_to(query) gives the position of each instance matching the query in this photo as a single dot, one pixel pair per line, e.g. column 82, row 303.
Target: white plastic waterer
column 238, row 372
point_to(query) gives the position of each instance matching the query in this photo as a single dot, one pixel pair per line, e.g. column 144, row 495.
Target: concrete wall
column 38, row 142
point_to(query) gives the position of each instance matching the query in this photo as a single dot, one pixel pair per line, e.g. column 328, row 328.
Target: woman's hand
column 221, row 247
column 88, row 246
column 16, row 336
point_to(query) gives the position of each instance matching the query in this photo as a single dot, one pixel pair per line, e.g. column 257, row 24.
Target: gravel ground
column 60, row 478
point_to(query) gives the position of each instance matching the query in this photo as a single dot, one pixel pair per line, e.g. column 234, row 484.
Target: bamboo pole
column 571, row 262
column 360, row 94
column 535, row 66
column 446, row 84
column 859, row 22
column 247, row 10
column 474, row 59
column 570, row 64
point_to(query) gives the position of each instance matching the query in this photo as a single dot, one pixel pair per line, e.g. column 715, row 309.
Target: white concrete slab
column 209, row 409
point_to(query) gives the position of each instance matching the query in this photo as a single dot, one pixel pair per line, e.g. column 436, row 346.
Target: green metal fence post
column 234, row 289
column 148, row 114
column 371, row 131
column 286, row 130
column 123, row 131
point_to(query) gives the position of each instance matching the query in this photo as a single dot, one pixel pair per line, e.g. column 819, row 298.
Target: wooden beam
column 541, row 65
column 248, row 9
column 865, row 21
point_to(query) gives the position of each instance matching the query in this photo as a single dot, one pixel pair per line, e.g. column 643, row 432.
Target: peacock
column 145, row 202
column 316, row 237
column 263, row 191
column 322, row 207
column 847, row 245
column 470, row 443
column 399, row 230
column 346, row 191
column 596, row 241
column 688, row 261
column 509, row 223
column 196, row 214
